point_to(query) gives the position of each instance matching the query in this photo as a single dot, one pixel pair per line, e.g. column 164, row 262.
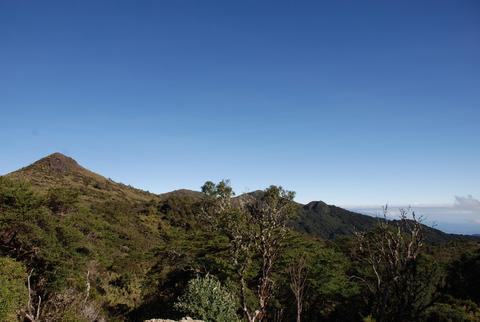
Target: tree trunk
column 299, row 312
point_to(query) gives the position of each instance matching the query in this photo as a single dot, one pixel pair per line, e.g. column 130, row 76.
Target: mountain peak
column 59, row 170
column 58, row 163
column 55, row 165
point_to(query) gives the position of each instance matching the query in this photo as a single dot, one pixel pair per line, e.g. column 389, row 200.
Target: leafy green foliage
column 103, row 250
column 255, row 230
column 62, row 201
column 103, row 237
column 328, row 284
column 205, row 298
column 13, row 292
column 16, row 196
column 463, row 279
column 453, row 310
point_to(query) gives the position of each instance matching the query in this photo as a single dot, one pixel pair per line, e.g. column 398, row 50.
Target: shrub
column 62, row 201
column 16, row 196
column 205, row 298
column 13, row 292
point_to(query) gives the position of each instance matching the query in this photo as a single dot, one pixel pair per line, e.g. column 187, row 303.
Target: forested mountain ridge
column 59, row 171
column 100, row 250
column 315, row 218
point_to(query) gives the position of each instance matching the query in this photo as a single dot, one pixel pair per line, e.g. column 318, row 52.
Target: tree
column 328, row 288
column 298, row 273
column 255, row 229
column 401, row 282
column 33, row 310
column 205, row 298
column 463, row 280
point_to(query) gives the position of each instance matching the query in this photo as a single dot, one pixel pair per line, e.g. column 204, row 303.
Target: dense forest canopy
column 75, row 246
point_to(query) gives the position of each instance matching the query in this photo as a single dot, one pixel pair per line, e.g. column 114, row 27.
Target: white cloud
column 462, row 216
column 467, row 203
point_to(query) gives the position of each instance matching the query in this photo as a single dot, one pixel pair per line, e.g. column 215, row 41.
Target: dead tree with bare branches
column 400, row 286
column 32, row 312
column 298, row 273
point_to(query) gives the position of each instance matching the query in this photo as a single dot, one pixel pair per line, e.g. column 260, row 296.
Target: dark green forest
column 75, row 246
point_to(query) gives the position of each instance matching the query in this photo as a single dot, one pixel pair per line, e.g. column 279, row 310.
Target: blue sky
column 356, row 103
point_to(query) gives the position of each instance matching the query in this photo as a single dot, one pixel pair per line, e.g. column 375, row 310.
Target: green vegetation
column 13, row 292
column 206, row 299
column 97, row 249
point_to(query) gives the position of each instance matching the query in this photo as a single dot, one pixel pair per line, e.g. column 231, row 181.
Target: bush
column 205, row 298
column 16, row 196
column 62, row 201
column 454, row 310
column 13, row 292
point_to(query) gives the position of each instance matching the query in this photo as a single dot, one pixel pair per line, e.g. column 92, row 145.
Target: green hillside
column 98, row 250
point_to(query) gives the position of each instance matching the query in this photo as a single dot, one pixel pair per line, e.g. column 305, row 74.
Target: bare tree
column 53, row 306
column 298, row 273
column 255, row 229
column 270, row 215
column 33, row 311
column 398, row 285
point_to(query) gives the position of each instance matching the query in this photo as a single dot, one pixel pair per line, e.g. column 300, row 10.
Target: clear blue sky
column 352, row 102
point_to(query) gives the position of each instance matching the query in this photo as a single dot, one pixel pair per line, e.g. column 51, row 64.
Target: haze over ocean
column 356, row 103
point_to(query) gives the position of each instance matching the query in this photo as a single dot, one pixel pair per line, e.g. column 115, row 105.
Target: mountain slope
column 135, row 249
column 108, row 232
column 318, row 218
column 315, row 218
column 58, row 170
column 329, row 222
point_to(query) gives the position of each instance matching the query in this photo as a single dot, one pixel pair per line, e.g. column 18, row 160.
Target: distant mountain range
column 315, row 218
